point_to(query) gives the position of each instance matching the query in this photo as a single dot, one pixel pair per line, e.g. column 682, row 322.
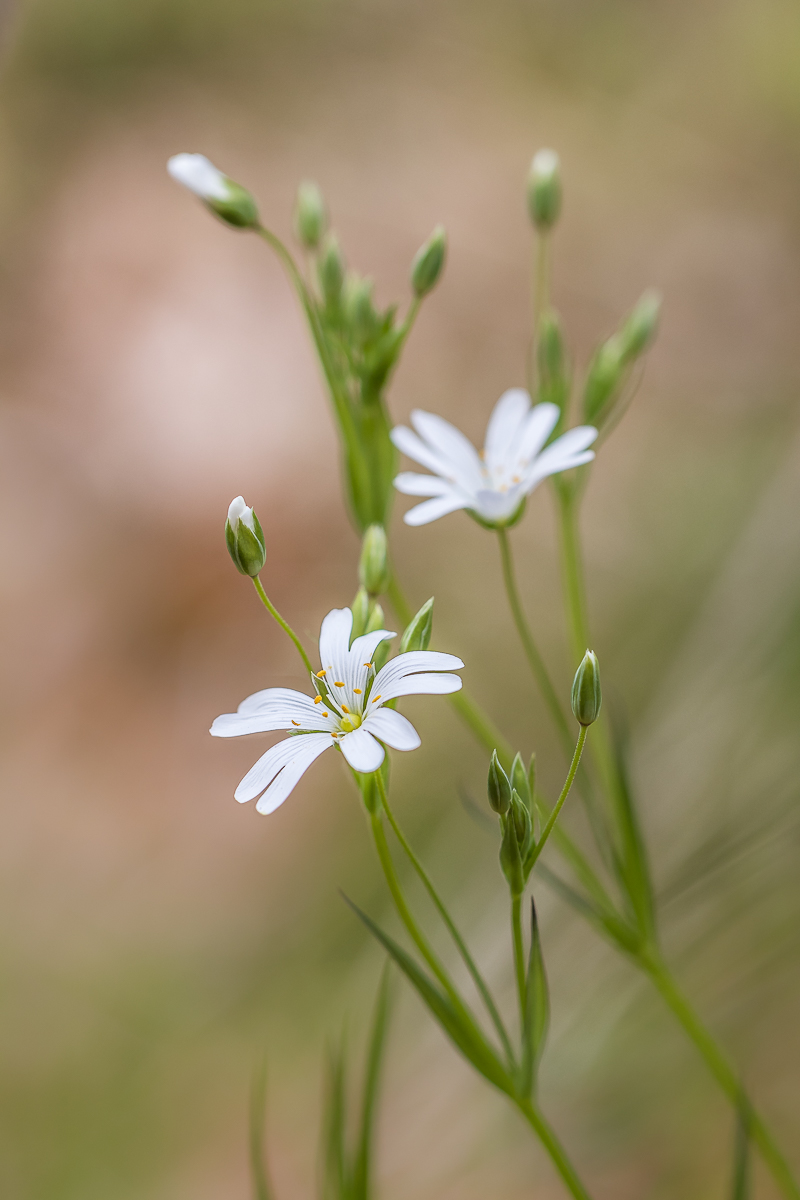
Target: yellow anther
column 376, row 698
column 318, row 699
column 296, row 723
column 338, row 683
column 369, row 664
column 345, row 708
column 321, row 674
column 357, row 691
column 326, row 714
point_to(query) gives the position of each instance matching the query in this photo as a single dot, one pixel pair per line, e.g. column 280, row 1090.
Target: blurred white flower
column 347, row 713
column 199, row 175
column 493, row 484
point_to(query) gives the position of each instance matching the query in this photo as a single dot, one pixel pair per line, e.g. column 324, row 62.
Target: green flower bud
column 428, row 263
column 519, row 781
column 331, row 271
column 586, row 695
column 417, row 635
column 360, row 611
column 245, row 538
column 605, row 375
column 517, row 834
column 551, row 360
column 373, row 568
column 310, row 216
column 544, row 190
column 519, row 813
column 498, row 787
column 228, row 200
column 358, row 307
column 376, row 619
column 640, row 326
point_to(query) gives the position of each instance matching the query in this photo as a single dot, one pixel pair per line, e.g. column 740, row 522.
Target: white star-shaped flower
column 347, row 712
column 494, row 483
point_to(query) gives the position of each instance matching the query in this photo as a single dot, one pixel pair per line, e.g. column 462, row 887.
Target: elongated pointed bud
column 551, row 360
column 373, row 567
column 245, row 538
column 429, row 262
column 358, row 307
column 227, row 199
column 519, row 781
column 331, row 270
column 498, row 787
column 544, row 189
column 417, row 635
column 586, row 695
column 519, row 813
column 360, row 611
column 605, row 375
column 517, row 833
column 310, row 216
column 640, row 326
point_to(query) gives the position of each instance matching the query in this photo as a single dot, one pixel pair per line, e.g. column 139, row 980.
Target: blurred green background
column 155, row 936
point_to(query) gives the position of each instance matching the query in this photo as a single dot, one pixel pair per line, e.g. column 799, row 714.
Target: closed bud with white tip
column 245, row 538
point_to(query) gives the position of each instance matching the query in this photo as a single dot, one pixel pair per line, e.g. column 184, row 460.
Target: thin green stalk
column 461, row 945
column 482, row 726
column 572, row 568
column 258, row 1111
column 724, row 1074
column 540, row 300
column 532, row 654
column 519, row 955
column 551, row 820
column 554, row 1148
column 273, row 612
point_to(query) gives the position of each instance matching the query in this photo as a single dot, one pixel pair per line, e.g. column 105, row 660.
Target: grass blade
column 362, row 1167
column 334, row 1153
column 464, row 1034
column 262, row 1189
column 740, row 1189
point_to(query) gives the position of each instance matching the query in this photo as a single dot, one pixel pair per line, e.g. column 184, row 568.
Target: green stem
column 519, row 955
column 551, row 820
column 572, row 568
column 273, row 612
column 532, row 654
column 554, row 1148
column 724, row 1074
column 461, row 945
column 540, row 301
column 483, row 728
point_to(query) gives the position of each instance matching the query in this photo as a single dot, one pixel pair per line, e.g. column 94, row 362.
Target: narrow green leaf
column 258, row 1111
column 362, row 1167
column 465, row 1035
column 631, row 866
column 334, row 1154
column 607, row 921
column 740, row 1188
column 537, row 1009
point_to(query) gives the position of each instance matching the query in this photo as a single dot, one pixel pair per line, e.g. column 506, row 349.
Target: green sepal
column 463, row 1033
column 417, row 634
column 381, row 655
column 428, row 263
column 498, row 787
column 376, row 621
column 373, row 566
column 246, row 546
column 310, row 216
column 330, row 272
column 537, row 1010
column 519, row 782
column 360, row 610
column 508, row 523
column 587, row 697
column 552, row 367
column 238, row 209
column 512, row 847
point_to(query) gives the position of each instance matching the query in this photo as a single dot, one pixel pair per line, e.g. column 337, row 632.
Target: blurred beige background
column 154, row 935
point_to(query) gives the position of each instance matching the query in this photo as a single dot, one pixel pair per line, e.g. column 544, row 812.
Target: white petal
column 494, row 505
column 414, row 660
column 565, row 452
column 272, row 700
column 414, row 447
column 301, row 750
column 365, row 646
column 421, row 685
column 411, row 484
column 334, row 642
column 539, row 424
column 275, row 708
column 362, row 751
column 452, row 445
column 431, row 510
column 505, row 425
column 393, row 729
column 285, row 782
column 199, row 175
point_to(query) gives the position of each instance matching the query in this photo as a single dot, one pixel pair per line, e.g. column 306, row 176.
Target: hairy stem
column 285, row 626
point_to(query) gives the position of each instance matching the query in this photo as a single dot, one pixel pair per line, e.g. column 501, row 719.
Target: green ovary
column 350, row 722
